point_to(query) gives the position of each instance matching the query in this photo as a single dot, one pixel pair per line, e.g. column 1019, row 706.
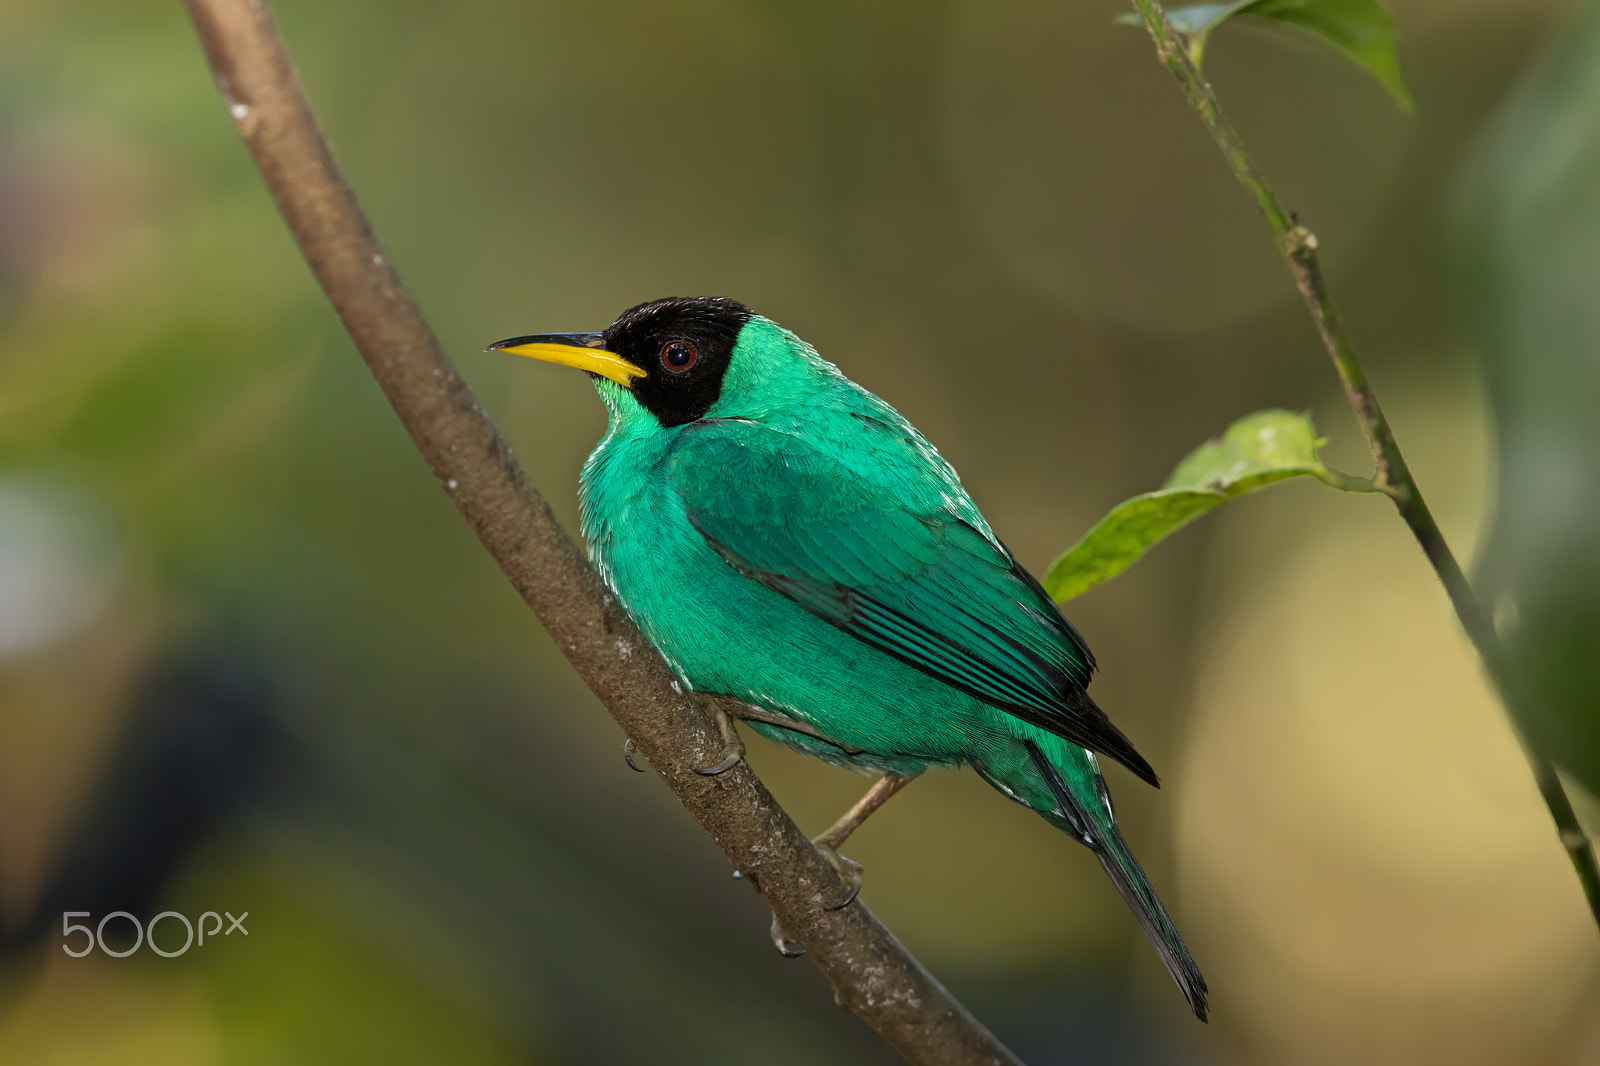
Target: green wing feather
column 893, row 561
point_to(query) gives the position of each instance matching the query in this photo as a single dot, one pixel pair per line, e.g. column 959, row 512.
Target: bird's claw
column 728, row 762
column 849, row 872
column 627, row 756
column 789, row 949
column 850, row 897
column 733, row 747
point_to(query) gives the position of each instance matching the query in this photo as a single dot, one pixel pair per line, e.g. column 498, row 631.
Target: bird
column 792, row 545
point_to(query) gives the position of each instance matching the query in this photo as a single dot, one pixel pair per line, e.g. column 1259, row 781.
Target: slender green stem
column 1346, row 482
column 1298, row 246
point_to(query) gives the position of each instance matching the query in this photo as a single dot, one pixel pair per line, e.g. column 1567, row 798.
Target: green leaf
column 1361, row 29
column 1255, row 451
column 1121, row 537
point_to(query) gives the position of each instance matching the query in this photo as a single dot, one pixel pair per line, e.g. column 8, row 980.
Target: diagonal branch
column 1298, row 246
column 871, row 973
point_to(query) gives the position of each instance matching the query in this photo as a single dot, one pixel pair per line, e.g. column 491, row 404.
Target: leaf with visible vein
column 1254, row 452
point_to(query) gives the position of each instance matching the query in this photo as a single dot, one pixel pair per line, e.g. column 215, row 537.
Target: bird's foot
column 830, row 841
column 789, row 949
column 733, row 747
column 627, row 756
column 849, row 871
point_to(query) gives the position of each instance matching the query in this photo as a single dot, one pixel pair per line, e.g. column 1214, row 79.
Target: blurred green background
column 251, row 660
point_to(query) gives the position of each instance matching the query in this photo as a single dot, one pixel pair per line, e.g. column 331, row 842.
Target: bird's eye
column 678, row 356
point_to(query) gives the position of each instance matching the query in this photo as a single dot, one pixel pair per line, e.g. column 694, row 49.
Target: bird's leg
column 851, row 820
column 725, row 708
column 751, row 713
column 733, row 747
column 830, row 841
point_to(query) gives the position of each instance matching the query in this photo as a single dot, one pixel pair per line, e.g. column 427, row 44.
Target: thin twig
column 871, row 973
column 1298, row 246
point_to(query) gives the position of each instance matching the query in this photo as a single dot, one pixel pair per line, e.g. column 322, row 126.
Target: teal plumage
column 785, row 537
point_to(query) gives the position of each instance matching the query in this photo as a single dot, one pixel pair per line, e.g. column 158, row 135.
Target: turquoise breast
column 726, row 634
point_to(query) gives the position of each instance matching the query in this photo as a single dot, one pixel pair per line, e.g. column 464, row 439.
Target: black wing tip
column 1136, row 762
column 1097, row 735
column 1110, row 741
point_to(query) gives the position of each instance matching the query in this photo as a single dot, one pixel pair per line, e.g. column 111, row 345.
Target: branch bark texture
column 1298, row 246
column 871, row 973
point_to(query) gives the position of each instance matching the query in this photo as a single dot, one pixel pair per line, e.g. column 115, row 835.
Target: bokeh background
column 251, row 660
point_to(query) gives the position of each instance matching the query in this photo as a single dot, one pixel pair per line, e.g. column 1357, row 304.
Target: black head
column 683, row 345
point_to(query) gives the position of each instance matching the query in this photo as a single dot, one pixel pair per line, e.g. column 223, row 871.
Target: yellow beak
column 581, row 350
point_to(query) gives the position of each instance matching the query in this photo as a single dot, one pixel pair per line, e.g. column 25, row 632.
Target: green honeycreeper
column 785, row 538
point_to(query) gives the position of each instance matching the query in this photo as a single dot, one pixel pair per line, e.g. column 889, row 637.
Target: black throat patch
column 684, row 345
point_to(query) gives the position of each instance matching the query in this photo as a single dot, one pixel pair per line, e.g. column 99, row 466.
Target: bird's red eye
column 678, row 356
